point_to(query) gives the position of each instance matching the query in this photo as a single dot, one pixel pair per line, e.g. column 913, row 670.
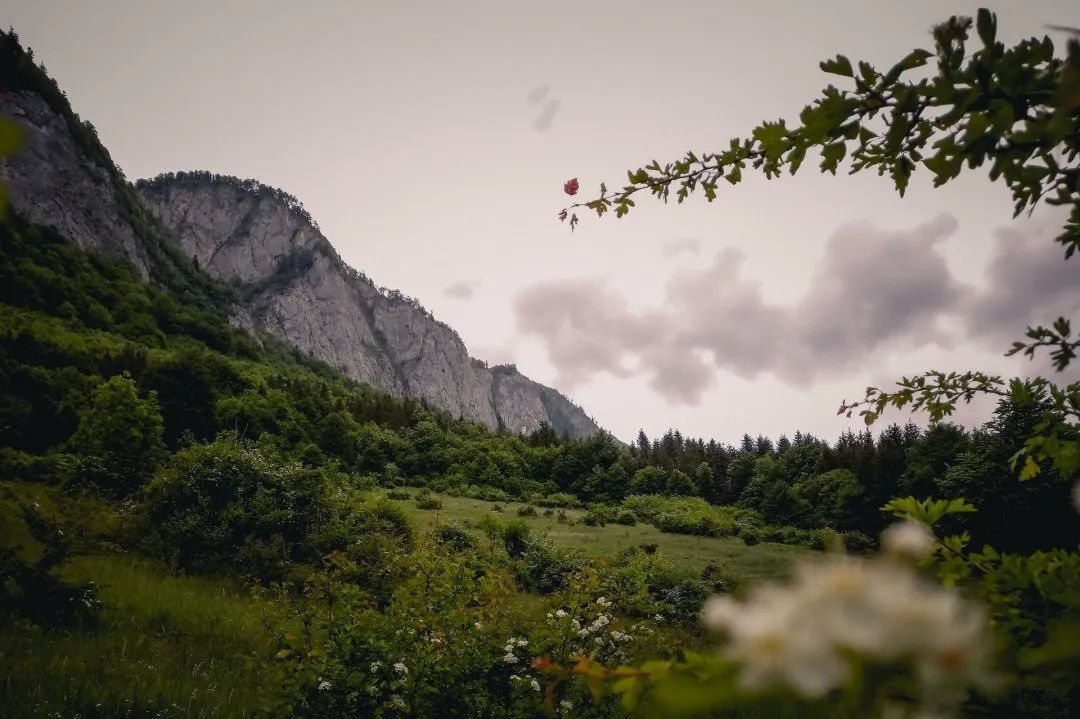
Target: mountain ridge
column 291, row 282
column 294, row 284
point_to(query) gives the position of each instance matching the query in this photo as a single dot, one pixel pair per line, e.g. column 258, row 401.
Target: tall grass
column 164, row 645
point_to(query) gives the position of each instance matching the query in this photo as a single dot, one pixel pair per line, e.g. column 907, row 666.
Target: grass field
column 164, row 645
column 734, row 557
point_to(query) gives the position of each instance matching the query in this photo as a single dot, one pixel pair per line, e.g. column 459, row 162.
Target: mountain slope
column 294, row 284
column 286, row 278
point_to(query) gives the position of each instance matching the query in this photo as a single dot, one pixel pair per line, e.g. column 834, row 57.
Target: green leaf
column 839, row 66
column 915, row 58
column 831, row 155
column 986, row 25
column 1031, row 469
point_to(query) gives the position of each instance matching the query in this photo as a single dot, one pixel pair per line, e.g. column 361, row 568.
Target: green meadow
column 734, row 557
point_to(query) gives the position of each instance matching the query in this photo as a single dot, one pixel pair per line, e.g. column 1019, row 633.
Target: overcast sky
column 431, row 142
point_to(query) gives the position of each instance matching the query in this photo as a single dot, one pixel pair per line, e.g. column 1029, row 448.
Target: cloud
column 551, row 106
column 872, row 288
column 688, row 245
column 587, row 329
column 461, row 290
column 1027, row 283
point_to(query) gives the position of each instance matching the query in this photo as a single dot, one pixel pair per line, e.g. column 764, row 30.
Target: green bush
column 428, row 503
column 30, row 582
column 455, row 536
column 400, row 494
column 120, row 438
column 52, row 468
column 559, row 499
column 228, row 503
column 527, row 511
column 543, row 568
column 625, row 517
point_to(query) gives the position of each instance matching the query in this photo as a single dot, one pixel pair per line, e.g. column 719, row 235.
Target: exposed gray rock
column 296, row 286
column 52, row 183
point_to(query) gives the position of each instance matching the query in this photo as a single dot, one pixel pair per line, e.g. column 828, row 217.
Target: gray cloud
column 688, row 245
column 551, row 106
column 461, row 290
column 1027, row 283
column 871, row 287
column 587, row 329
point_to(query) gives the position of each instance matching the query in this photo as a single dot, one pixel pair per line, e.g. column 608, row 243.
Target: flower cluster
column 844, row 612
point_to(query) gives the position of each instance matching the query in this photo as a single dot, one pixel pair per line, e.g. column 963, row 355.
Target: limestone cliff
column 296, row 286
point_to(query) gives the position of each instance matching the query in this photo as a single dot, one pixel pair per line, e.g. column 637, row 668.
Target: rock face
column 297, row 287
column 52, row 183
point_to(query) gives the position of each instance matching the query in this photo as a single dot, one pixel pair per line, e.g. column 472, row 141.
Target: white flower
column 659, row 617
column 510, row 658
column 602, row 601
column 400, row 668
column 523, row 642
column 324, row 685
column 910, row 541
column 397, row 702
column 478, row 625
column 515, row 678
column 535, row 685
column 575, row 624
column 560, row 613
column 375, row 666
column 805, row 635
column 566, row 705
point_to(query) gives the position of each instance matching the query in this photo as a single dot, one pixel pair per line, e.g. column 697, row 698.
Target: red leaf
column 571, row 187
column 562, row 216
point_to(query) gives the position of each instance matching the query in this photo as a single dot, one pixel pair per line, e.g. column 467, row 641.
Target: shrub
column 492, row 494
column 428, row 503
column 563, row 516
column 549, row 512
column 559, row 499
column 598, row 516
column 120, row 438
column 857, row 542
column 229, row 503
column 51, row 467
column 543, row 568
column 625, row 517
column 30, row 586
column 649, row 547
column 398, row 494
column 496, row 507
column 516, row 537
column 750, row 536
column 527, row 511
column 455, row 536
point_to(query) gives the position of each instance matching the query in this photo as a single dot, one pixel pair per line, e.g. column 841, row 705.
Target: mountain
column 287, row 278
column 294, row 284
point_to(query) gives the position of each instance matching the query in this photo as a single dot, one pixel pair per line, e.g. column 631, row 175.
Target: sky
column 431, row 141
